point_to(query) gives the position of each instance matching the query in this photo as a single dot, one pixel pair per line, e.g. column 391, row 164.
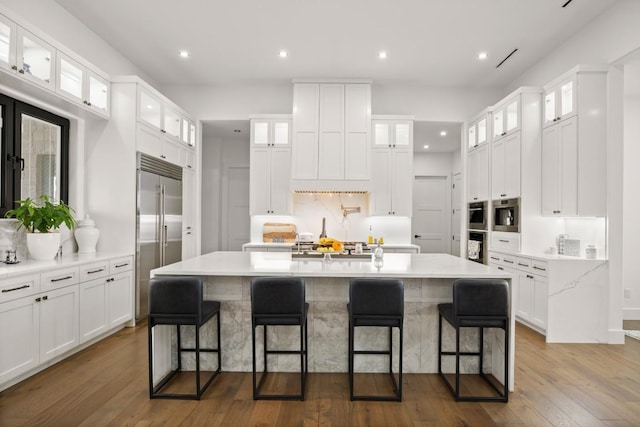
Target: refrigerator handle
column 163, row 227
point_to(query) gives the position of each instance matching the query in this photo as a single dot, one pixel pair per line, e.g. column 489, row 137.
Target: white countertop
column 32, row 266
column 280, row 245
column 547, row 257
column 281, row 263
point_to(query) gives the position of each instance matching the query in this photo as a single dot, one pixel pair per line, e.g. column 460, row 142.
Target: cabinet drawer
column 539, row 267
column 524, row 264
column 59, row 278
column 505, row 241
column 94, row 271
column 18, row 287
column 119, row 265
column 508, row 261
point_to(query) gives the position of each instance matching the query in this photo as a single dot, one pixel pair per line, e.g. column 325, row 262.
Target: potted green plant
column 42, row 221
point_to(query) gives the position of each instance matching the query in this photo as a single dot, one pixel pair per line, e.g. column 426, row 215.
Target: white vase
column 43, row 246
column 87, row 236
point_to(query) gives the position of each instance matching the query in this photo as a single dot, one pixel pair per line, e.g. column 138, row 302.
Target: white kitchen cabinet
column 270, row 167
column 189, row 244
column 478, row 130
column 392, row 134
column 573, row 148
column 506, row 117
column 157, row 145
column 20, row 337
column 8, row 44
column 82, row 85
column 93, row 308
column 119, row 298
column 505, row 167
column 59, row 310
column 478, row 174
column 164, row 118
column 560, row 100
column 36, row 59
column 505, row 241
column 331, row 131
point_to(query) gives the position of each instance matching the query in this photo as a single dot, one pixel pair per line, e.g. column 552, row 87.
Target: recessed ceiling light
column 426, row 147
column 482, row 56
column 382, row 55
column 283, row 54
column 443, row 133
column 184, row 54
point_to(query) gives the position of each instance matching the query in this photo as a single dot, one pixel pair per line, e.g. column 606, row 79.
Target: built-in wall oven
column 506, row 215
column 477, row 216
column 477, row 249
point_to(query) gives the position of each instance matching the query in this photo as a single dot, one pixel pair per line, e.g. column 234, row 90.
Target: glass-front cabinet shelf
column 270, row 132
column 192, row 134
column 391, row 134
column 7, row 44
column 98, row 92
column 172, row 122
column 150, row 109
column 560, row 101
column 36, row 59
column 71, row 75
column 478, row 131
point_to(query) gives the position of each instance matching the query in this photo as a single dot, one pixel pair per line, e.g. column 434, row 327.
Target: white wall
column 630, row 191
column 52, row 19
column 434, row 164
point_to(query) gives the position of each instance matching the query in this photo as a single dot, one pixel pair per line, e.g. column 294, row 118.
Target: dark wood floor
column 556, row 385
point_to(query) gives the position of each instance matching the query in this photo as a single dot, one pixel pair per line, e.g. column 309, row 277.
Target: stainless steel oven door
column 478, row 216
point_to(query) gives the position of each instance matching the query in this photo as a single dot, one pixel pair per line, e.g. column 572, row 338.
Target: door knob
column 416, row 236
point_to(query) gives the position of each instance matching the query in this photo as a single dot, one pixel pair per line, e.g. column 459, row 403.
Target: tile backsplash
column 12, row 237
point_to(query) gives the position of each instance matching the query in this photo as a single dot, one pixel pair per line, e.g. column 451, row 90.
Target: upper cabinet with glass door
column 37, row 60
column 560, row 100
column 80, row 84
column 270, row 132
column 478, row 130
column 506, row 117
column 392, row 134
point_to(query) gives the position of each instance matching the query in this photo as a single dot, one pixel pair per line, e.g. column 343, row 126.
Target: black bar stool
column 380, row 303
column 279, row 301
column 175, row 300
column 477, row 303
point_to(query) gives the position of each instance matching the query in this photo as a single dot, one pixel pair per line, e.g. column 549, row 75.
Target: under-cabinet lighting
column 482, row 56
column 382, row 55
column 184, row 54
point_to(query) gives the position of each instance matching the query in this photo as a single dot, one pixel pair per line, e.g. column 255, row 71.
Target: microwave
column 477, row 216
column 506, row 215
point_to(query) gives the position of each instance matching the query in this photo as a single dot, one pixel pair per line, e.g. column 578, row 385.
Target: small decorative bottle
column 87, row 236
column 378, row 252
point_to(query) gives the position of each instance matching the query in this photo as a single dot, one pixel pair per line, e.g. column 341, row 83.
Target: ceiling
column 429, row 42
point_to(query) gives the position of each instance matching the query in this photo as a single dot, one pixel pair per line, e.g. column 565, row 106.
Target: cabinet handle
column 529, row 276
column 188, row 232
column 523, row 265
column 508, row 261
column 539, row 268
column 15, row 289
column 59, row 279
column 95, row 271
column 38, row 299
column 556, row 212
column 503, row 241
column 89, row 104
column 163, row 131
column 44, row 298
column 121, row 265
column 162, row 156
column 495, row 259
column 13, row 67
column 21, row 71
column 111, row 279
column 500, row 268
column 189, row 166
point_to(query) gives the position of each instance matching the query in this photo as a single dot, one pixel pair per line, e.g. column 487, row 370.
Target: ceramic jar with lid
column 87, row 235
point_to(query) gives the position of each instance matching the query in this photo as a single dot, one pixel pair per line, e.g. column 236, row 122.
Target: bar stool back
column 279, row 301
column 477, row 303
column 376, row 302
column 175, row 300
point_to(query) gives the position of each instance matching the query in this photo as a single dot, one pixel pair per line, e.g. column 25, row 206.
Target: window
column 35, row 153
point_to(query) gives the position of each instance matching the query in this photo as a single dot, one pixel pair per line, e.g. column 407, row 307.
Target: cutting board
column 276, row 230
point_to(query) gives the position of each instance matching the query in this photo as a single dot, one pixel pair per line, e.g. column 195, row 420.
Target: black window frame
column 12, row 110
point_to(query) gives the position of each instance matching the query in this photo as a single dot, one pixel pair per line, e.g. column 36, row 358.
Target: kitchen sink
column 334, row 255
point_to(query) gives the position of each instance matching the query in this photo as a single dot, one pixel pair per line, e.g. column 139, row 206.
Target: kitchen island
column 427, row 282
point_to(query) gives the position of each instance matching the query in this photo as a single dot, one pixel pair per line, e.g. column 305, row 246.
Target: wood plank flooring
column 556, row 385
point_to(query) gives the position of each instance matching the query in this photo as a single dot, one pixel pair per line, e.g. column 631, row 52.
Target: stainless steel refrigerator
column 159, row 222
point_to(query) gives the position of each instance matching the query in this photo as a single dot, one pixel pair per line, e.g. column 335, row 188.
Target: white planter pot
column 43, row 246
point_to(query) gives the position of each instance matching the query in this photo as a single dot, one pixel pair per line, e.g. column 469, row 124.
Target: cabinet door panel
column 306, row 107
column 357, row 102
column 305, row 156
column 119, row 297
column 172, row 152
column 525, row 297
column 58, row 322
column 20, row 327
column 356, row 151
column 472, row 175
column 381, row 135
column 512, row 165
column 497, row 170
column 568, row 135
column 70, row 78
column 402, row 183
column 540, row 302
column 280, row 180
column 331, row 156
column 93, row 309
column 381, row 182
column 7, row 43
column 149, row 142
column 331, row 108
column 38, row 59
column 259, row 202
column 483, row 172
column 98, row 93
column 550, row 171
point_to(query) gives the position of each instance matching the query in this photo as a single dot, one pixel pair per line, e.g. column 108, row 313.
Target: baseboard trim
column 616, row 336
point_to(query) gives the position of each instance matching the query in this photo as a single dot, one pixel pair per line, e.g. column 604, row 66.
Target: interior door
column 237, row 200
column 431, row 220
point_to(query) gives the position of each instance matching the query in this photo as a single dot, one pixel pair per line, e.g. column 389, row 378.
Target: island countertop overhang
column 252, row 264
